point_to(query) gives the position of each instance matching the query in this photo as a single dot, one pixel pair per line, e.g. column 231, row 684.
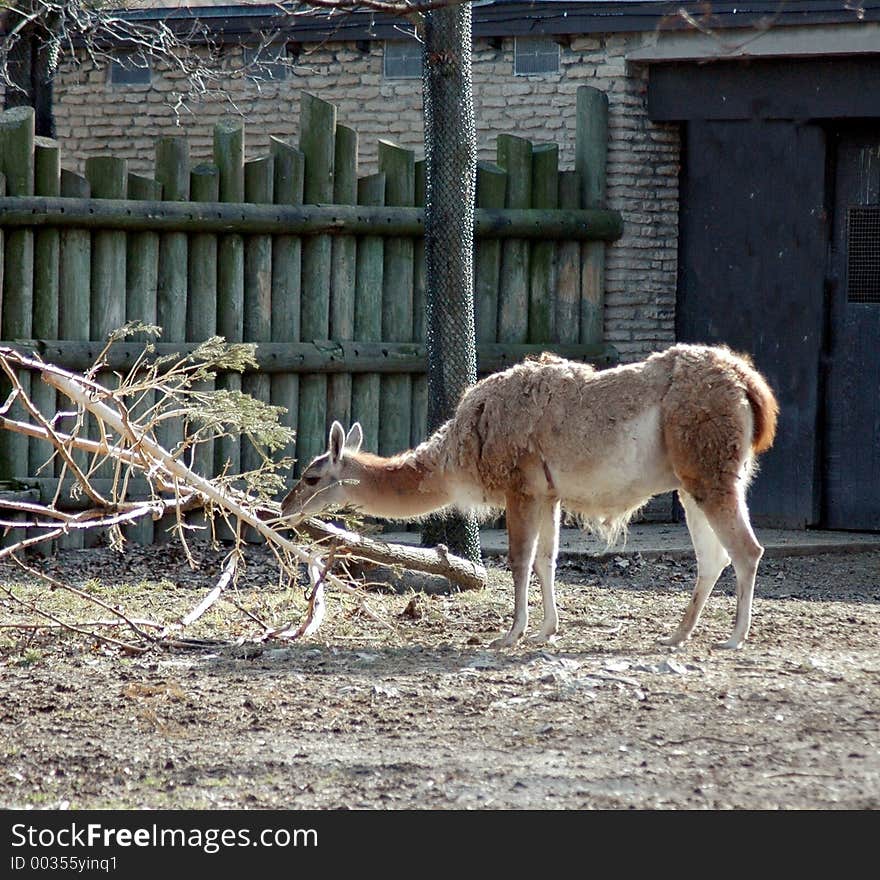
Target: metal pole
column 451, row 171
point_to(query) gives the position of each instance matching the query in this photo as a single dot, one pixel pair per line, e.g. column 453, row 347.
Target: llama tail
column 765, row 408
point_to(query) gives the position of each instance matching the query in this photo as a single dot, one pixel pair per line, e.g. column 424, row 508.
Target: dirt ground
column 415, row 711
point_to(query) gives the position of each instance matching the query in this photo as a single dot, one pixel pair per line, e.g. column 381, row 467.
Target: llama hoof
column 730, row 645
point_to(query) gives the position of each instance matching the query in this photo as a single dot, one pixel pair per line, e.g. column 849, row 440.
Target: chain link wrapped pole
column 451, row 170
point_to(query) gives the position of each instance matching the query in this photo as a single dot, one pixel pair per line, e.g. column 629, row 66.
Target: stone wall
column 95, row 117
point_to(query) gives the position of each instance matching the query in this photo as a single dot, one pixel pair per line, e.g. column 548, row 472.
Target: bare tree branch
column 34, row 609
column 242, row 500
column 88, row 597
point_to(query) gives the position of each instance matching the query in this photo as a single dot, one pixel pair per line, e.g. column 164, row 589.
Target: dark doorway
column 752, row 256
column 851, row 460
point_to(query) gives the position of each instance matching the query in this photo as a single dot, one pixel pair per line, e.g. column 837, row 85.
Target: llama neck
column 402, row 487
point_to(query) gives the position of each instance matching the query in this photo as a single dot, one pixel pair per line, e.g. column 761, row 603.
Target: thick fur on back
column 605, row 442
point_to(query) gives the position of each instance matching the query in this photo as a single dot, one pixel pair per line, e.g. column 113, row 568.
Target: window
column 535, row 55
column 130, row 69
column 403, row 60
column 266, row 63
column 863, row 254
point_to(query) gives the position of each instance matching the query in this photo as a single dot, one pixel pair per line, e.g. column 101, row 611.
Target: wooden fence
column 293, row 251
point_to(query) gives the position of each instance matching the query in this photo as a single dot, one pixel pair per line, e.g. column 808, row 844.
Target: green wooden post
column 201, row 304
column 344, row 255
column 395, row 404
column 365, row 388
column 545, row 195
column 286, row 280
column 491, row 193
column 591, row 153
column 568, row 268
column 142, row 257
column 17, row 164
column 318, row 144
column 515, row 156
column 419, row 425
column 17, row 150
column 76, row 261
column 141, row 285
column 172, row 172
column 108, row 176
column 14, row 535
column 229, row 159
column 74, row 304
column 47, row 182
column 257, row 323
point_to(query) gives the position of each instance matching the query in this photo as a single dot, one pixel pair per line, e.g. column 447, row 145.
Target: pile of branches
column 115, row 420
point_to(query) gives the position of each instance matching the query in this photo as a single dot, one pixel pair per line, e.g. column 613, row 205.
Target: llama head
column 326, row 482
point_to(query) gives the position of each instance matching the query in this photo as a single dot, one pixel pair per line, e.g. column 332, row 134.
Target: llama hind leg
column 545, row 569
column 711, row 561
column 730, row 520
column 523, row 517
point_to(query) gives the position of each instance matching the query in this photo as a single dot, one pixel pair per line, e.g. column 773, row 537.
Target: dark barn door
column 752, row 262
column 852, row 451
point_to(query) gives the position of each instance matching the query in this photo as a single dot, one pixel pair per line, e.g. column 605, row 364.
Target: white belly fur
column 620, row 483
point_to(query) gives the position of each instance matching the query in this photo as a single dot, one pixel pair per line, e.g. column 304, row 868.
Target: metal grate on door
column 863, row 254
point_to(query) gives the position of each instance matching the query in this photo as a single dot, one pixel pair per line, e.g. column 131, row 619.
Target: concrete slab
column 653, row 540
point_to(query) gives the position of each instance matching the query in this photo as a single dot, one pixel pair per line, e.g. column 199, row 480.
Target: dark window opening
column 534, row 55
column 402, row 59
column 863, row 254
column 130, row 69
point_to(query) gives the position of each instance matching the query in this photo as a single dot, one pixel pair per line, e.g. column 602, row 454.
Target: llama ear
column 355, row 438
column 337, row 442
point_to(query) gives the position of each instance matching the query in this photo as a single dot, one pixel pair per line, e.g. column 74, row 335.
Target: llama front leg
column 522, row 537
column 711, row 561
column 545, row 569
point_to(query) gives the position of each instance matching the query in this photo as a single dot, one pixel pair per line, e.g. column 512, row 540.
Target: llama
column 550, row 434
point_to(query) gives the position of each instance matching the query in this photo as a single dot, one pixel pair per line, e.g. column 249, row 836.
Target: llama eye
column 311, row 481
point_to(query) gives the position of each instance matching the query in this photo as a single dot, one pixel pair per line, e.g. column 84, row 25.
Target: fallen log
column 466, row 575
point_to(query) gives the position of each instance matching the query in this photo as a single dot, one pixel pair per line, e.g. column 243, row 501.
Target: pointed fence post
column 287, row 280
column 342, row 271
column 74, row 303
column 229, row 159
column 318, row 144
column 258, row 184
column 47, row 182
column 201, row 305
column 591, row 155
column 365, row 387
column 16, row 321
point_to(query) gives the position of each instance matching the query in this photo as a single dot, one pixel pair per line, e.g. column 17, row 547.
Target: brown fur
column 551, row 432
